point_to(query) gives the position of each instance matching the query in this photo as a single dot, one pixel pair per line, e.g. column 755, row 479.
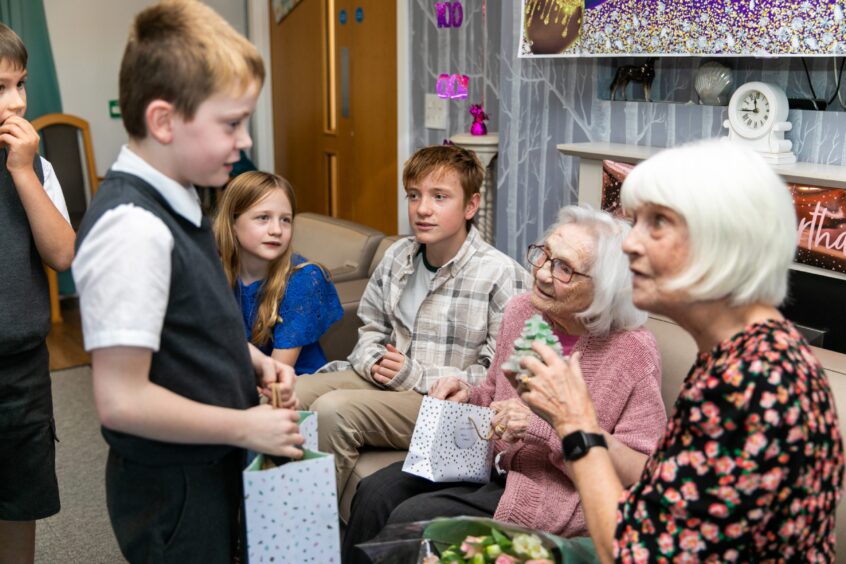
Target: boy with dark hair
column 432, row 309
column 174, row 379
column 35, row 230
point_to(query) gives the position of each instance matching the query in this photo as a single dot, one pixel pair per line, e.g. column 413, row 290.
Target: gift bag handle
column 486, row 437
column 276, row 395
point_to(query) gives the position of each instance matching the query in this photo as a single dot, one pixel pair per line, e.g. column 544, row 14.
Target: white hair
column 612, row 308
column 739, row 213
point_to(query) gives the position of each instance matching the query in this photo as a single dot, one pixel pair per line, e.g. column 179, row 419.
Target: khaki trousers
column 353, row 413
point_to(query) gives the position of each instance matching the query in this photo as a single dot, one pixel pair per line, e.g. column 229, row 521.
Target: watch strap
column 577, row 444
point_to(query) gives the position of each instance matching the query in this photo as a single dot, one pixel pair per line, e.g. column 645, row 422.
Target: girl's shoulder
column 307, row 273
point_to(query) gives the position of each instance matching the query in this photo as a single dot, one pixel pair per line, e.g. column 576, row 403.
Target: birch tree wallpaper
column 536, row 104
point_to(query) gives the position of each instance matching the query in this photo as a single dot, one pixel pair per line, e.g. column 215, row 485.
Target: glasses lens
column 536, row 256
column 561, row 271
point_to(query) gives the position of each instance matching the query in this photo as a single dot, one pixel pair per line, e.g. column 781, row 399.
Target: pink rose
column 754, row 443
column 718, row 510
column 472, row 546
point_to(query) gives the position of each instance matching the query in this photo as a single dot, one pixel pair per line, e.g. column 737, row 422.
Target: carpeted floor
column 80, row 532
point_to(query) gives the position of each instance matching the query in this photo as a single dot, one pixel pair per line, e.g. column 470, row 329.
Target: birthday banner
column 820, row 213
column 572, row 28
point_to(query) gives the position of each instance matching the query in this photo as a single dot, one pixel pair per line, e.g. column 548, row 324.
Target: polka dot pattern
column 292, row 511
column 442, row 448
column 308, row 429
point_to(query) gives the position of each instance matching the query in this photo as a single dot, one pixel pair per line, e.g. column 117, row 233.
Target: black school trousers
column 391, row 496
column 177, row 513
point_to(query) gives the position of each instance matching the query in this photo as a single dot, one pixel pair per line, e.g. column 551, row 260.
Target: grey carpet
column 80, row 532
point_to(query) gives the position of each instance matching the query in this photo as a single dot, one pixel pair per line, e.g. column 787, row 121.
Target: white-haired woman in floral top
column 751, row 464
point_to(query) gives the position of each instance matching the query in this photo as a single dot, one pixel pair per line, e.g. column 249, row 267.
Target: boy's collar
column 184, row 201
column 461, row 257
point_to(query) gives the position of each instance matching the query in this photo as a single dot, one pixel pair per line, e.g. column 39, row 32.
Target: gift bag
column 308, row 429
column 291, row 510
column 307, row 421
column 451, row 442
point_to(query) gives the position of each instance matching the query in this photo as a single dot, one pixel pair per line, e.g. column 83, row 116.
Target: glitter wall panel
column 566, row 28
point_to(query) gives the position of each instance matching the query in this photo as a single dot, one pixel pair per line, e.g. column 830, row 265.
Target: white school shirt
column 122, row 269
column 53, row 188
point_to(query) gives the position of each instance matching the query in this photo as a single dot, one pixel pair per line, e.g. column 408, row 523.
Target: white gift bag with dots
column 308, row 429
column 449, row 443
column 292, row 511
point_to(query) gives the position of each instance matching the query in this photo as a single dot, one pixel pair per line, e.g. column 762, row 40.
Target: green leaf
column 501, row 539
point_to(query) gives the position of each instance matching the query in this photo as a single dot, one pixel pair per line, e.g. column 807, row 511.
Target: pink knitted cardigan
column 623, row 374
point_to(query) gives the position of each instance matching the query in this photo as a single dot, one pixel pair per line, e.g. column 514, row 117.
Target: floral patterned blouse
column 751, row 464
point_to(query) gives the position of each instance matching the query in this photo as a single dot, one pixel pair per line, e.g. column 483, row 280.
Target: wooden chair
column 66, row 143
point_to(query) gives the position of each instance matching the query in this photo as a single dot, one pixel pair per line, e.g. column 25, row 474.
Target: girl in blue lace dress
column 287, row 302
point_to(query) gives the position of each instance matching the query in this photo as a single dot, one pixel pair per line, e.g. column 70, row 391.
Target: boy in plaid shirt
column 431, row 309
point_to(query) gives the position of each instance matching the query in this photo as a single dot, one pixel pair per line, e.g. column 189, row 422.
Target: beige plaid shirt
column 455, row 331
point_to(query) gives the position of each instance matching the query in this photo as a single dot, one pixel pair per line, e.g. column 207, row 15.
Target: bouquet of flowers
column 497, row 548
column 474, row 540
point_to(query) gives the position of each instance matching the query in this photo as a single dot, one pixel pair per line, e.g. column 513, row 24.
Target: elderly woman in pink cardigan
column 583, row 289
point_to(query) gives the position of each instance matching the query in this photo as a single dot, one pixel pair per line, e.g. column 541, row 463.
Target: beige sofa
column 678, row 351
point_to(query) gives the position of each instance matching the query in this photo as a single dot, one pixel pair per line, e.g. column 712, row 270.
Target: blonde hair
column 739, row 214
column 182, row 52
column 242, row 193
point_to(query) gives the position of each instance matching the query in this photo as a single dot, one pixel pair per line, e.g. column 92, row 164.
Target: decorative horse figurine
column 644, row 74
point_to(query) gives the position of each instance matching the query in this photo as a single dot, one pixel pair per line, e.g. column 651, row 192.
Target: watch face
column 754, row 109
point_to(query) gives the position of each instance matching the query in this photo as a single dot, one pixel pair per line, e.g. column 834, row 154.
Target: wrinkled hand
column 557, row 393
column 511, row 419
column 387, row 367
column 20, row 137
column 273, row 431
column 270, row 370
column 450, row 388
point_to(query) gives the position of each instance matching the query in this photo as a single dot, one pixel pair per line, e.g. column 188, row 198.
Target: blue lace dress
column 308, row 308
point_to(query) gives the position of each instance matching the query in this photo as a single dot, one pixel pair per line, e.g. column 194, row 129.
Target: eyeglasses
column 561, row 271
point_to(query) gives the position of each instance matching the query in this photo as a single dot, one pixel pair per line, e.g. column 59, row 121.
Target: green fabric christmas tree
column 535, row 329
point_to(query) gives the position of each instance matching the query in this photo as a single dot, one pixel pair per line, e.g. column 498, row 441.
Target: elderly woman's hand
column 557, row 392
column 511, row 418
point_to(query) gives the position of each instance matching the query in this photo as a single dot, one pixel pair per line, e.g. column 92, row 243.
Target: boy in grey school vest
column 34, row 230
column 174, row 378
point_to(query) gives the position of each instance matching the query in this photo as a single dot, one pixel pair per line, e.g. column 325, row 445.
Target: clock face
column 753, row 110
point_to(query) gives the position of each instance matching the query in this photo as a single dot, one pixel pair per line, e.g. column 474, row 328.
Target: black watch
column 577, row 444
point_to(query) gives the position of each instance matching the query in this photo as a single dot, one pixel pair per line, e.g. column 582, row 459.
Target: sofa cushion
column 678, row 352
column 339, row 340
column 345, row 248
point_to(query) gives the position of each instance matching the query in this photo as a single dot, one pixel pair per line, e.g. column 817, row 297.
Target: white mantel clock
column 757, row 117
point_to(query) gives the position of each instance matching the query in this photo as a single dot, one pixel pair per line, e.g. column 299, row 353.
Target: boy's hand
column 388, row 366
column 273, row 431
column 20, row 137
column 450, row 388
column 268, row 371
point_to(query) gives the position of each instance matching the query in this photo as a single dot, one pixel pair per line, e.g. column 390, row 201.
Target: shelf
column 829, row 176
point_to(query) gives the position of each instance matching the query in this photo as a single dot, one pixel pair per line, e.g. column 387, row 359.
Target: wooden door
column 334, row 101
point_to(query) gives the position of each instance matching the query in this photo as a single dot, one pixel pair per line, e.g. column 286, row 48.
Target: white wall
column 88, row 37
